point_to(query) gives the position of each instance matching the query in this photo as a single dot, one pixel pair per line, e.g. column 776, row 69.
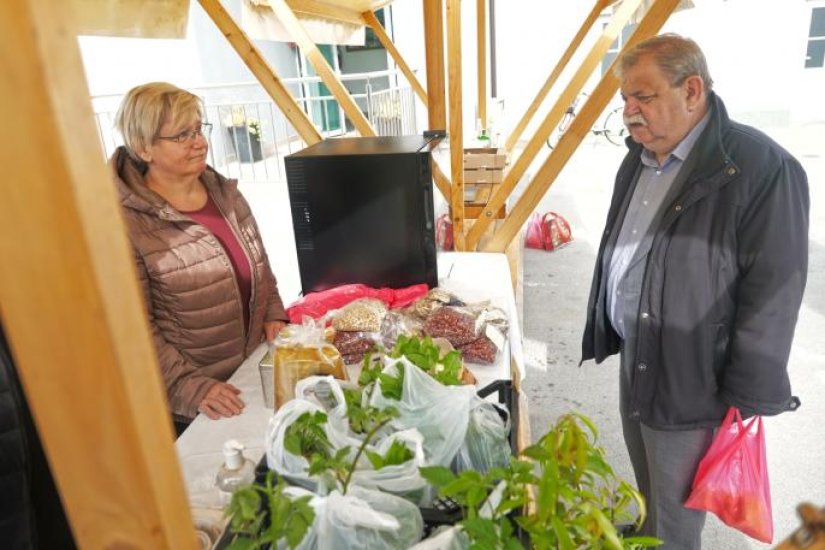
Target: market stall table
column 471, row 276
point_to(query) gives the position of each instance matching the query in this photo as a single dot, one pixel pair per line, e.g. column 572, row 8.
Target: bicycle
column 613, row 128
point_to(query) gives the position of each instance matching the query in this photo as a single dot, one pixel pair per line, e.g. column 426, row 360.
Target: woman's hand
column 221, row 400
column 272, row 328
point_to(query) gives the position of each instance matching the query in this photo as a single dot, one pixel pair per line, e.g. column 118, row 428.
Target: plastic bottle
column 237, row 470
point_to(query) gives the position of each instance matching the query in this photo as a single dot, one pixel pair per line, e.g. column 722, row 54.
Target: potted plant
column 244, row 134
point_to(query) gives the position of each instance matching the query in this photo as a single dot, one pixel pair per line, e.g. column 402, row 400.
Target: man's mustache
column 634, row 119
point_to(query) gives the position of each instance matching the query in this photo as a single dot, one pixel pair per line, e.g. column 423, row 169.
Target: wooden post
column 538, row 141
column 314, row 55
column 481, row 61
column 383, row 37
column 71, row 305
column 262, row 70
column 434, row 50
column 591, row 18
column 456, row 121
column 653, row 20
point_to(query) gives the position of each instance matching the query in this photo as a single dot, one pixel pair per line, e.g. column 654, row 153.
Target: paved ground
column 555, row 296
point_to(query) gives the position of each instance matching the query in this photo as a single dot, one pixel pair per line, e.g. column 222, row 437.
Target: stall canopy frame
column 71, row 306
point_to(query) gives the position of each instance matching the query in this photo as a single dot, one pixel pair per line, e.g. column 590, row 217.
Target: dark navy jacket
column 722, row 286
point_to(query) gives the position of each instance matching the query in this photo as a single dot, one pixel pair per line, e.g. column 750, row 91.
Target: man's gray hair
column 678, row 57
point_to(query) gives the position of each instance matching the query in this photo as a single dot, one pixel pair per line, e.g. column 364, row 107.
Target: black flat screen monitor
column 362, row 211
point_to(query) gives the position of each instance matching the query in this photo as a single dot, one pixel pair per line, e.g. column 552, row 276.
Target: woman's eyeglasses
column 189, row 136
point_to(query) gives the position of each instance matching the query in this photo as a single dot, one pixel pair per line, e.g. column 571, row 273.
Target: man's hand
column 272, row 328
column 221, row 400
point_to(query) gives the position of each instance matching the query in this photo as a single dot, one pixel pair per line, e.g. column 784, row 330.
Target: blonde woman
column 209, row 290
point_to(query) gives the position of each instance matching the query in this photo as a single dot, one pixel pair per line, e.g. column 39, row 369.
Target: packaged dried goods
column 302, row 351
column 363, row 315
column 348, row 342
column 434, row 299
column 395, row 324
column 481, row 350
column 452, row 323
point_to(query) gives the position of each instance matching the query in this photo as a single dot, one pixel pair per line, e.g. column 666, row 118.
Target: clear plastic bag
column 403, row 479
column 364, row 315
column 440, row 413
column 487, row 443
column 301, row 351
column 453, row 323
column 397, row 323
column 363, row 519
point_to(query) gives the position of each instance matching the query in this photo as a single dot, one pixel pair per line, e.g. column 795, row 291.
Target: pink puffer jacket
column 189, row 286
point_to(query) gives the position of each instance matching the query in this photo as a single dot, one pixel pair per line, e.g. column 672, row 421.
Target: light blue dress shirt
column 652, row 188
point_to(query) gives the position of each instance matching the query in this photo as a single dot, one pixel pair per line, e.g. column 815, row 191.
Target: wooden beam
column 456, row 121
column 434, row 51
column 328, row 76
column 441, row 181
column 265, row 74
column 551, row 121
column 325, row 10
column 370, row 19
column 71, row 305
column 591, row 18
column 481, row 60
column 656, row 15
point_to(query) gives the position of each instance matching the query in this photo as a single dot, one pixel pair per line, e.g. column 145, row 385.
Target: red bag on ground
column 732, row 478
column 547, row 232
column 444, row 232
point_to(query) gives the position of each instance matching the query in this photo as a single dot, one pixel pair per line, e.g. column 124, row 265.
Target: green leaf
column 398, row 453
column 392, row 386
column 438, row 476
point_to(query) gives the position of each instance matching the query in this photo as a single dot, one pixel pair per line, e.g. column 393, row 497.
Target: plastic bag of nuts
column 481, row 350
column 363, row 315
column 354, row 342
column 453, row 324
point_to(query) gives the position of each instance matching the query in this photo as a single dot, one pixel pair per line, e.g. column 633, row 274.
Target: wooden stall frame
column 262, row 70
column 71, row 305
column 551, row 121
column 293, row 26
column 76, row 322
column 591, row 18
column 654, row 18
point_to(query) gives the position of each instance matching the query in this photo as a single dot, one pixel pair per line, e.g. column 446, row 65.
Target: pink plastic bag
column 316, row 304
column 732, row 479
column 547, row 232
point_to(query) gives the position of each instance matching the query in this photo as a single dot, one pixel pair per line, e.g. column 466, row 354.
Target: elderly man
column 699, row 276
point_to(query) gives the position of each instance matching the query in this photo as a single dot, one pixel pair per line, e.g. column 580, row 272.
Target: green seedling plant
column 290, row 519
column 306, row 437
column 426, row 355
column 578, row 500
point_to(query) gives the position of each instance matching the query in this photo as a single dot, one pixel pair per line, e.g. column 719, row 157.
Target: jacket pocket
column 721, row 337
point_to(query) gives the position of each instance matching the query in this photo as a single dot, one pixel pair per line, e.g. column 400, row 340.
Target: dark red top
column 211, row 217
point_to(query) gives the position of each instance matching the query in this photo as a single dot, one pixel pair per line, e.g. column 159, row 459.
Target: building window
column 816, row 40
column 617, row 45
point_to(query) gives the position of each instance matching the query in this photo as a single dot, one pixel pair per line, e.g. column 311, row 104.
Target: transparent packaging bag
column 301, row 351
column 487, row 443
column 362, row 519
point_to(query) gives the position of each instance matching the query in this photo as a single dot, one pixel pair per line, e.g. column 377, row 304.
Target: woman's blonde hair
column 148, row 107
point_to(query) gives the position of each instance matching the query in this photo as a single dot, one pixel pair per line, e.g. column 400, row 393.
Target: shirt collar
column 682, row 150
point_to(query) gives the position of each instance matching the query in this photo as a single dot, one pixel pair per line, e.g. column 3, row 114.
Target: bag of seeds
column 363, row 315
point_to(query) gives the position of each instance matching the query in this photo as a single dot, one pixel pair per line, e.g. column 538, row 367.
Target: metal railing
column 251, row 136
